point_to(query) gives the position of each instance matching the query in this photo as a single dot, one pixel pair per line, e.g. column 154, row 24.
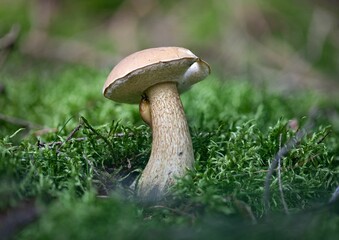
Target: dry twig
column 10, row 38
column 18, row 122
column 7, row 42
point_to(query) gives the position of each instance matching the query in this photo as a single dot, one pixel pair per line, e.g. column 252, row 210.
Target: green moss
column 234, row 144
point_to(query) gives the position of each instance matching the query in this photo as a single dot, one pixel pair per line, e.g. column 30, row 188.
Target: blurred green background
column 289, row 44
column 285, row 46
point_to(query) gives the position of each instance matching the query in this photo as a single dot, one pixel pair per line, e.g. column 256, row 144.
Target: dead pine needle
column 280, row 182
column 87, row 125
column 281, row 153
column 70, row 136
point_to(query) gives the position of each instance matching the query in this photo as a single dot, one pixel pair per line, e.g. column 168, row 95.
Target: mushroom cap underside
column 136, row 73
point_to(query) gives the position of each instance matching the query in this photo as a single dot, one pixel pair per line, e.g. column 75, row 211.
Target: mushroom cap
column 133, row 75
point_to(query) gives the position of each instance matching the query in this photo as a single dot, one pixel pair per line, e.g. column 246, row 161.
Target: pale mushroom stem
column 172, row 151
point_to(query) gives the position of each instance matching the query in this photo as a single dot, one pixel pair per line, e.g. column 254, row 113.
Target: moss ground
column 77, row 171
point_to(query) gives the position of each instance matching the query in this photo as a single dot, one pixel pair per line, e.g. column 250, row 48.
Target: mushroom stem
column 172, row 151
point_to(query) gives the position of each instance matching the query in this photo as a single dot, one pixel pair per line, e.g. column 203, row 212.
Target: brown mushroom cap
column 137, row 72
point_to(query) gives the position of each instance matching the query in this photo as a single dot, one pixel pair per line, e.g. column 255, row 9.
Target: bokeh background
column 288, row 45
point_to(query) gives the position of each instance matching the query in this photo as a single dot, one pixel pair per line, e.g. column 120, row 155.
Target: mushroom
column 154, row 78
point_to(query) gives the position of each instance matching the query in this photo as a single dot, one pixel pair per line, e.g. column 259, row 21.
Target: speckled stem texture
column 172, row 151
